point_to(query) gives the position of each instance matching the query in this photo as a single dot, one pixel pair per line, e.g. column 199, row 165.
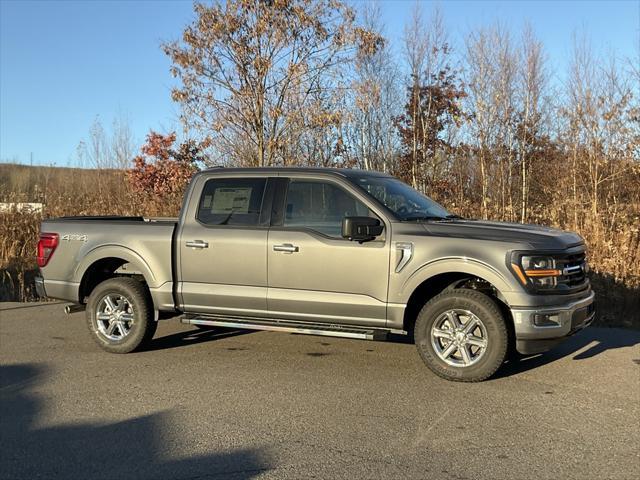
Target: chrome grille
column 574, row 271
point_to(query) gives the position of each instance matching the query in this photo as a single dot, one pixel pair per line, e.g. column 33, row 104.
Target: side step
column 326, row 330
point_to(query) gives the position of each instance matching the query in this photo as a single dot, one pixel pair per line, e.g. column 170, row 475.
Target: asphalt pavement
column 232, row 404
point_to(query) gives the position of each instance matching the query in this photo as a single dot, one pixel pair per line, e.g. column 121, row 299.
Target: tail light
column 46, row 246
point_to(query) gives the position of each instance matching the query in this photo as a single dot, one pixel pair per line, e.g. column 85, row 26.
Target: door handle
column 286, row 247
column 197, row 244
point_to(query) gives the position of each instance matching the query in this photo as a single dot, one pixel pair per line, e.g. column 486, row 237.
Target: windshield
column 408, row 204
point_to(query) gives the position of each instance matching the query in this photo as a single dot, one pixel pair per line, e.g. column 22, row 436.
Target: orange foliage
column 160, row 170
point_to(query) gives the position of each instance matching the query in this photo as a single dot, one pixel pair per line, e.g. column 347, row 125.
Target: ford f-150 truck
column 336, row 252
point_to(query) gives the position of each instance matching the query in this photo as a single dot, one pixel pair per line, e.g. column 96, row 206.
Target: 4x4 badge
column 70, row 237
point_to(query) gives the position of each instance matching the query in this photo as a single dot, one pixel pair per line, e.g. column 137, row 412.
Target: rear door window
column 231, row 201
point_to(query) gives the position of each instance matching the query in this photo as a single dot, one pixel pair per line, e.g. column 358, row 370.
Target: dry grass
column 64, row 192
column 614, row 246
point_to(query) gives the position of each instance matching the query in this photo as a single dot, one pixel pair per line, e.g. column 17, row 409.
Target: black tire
column 494, row 327
column 142, row 326
column 151, row 328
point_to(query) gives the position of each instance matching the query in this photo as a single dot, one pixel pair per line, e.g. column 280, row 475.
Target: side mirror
column 361, row 229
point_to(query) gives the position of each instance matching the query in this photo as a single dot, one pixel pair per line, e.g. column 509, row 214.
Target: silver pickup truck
column 335, row 252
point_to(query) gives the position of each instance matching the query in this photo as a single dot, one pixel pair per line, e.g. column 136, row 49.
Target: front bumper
column 532, row 338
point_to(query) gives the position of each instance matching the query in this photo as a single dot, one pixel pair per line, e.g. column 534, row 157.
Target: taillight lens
column 46, row 246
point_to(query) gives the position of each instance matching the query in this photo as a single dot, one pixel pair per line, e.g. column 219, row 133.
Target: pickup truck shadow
column 129, row 449
column 193, row 337
column 598, row 340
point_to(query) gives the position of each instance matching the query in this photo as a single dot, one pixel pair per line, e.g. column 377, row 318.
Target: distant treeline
column 67, row 191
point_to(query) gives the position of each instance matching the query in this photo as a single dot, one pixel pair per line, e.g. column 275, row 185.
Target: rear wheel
column 120, row 315
column 461, row 335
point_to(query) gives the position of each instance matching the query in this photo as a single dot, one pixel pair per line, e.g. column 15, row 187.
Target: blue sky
column 62, row 63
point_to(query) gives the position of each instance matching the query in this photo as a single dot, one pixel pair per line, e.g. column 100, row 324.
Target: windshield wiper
column 414, row 218
column 437, row 218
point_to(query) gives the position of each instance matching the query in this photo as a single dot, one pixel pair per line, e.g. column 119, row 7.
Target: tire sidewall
column 141, row 325
column 487, row 311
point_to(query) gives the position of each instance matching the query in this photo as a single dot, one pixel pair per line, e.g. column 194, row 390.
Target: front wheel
column 461, row 335
column 120, row 315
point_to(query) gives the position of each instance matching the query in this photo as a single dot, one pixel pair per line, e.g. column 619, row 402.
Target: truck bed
column 115, row 218
column 112, row 240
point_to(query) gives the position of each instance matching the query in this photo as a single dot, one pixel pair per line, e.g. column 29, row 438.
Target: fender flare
column 466, row 265
column 115, row 251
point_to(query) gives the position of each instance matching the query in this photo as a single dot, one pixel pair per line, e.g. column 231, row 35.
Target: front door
column 222, row 248
column 315, row 274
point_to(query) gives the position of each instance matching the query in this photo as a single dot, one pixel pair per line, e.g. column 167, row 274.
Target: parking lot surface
column 231, row 404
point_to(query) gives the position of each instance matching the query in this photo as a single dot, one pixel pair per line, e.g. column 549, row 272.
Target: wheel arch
column 455, row 265
column 103, row 263
column 438, row 282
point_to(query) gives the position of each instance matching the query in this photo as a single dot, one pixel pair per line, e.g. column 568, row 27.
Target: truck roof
column 342, row 172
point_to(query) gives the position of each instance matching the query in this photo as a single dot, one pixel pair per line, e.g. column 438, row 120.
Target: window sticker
column 231, row 200
column 207, row 201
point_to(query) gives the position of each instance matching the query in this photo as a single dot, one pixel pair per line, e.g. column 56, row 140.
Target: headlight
column 537, row 263
column 537, row 271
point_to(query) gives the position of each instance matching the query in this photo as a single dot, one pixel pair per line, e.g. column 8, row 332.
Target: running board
column 292, row 327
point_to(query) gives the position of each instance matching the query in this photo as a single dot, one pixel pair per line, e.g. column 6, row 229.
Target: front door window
column 320, row 206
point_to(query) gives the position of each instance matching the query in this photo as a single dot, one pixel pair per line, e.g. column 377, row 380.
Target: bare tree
column 433, row 91
column 108, row 150
column 416, row 44
column 247, row 66
column 504, row 95
column 122, row 144
column 375, row 100
column 480, row 82
column 532, row 81
column 600, row 114
column 491, row 74
column 96, row 148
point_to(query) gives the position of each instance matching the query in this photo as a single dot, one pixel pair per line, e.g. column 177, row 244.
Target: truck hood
column 539, row 237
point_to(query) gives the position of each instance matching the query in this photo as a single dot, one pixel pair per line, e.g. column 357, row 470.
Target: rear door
column 222, row 245
column 314, row 273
